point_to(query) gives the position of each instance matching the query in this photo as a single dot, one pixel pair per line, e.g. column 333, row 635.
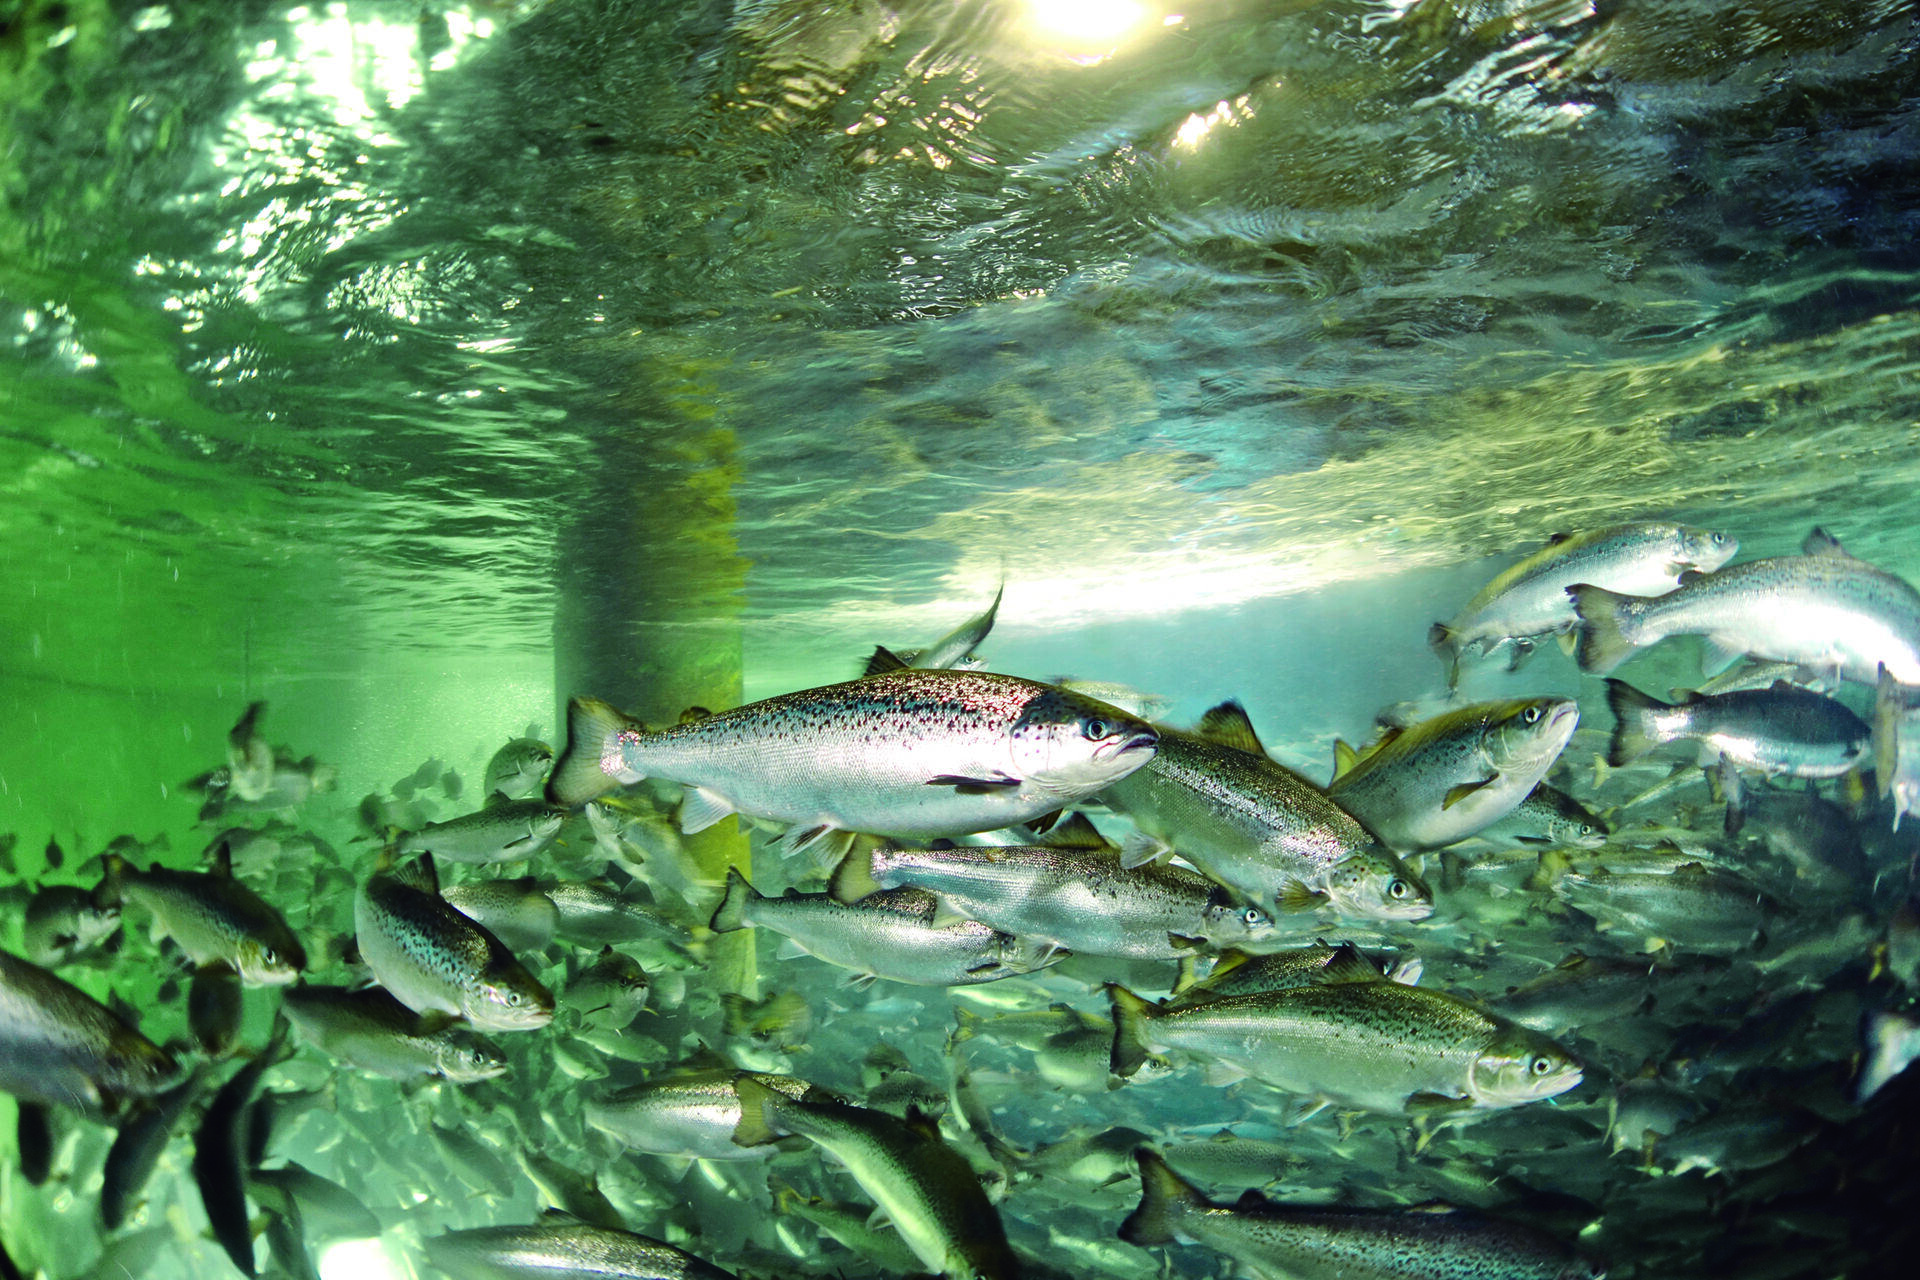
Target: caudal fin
column 1603, row 644
column 1130, row 1017
column 1164, row 1196
column 731, row 914
column 759, row 1112
column 579, row 775
column 1636, row 727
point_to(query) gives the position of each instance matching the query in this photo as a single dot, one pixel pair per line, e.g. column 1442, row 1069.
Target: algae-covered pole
column 649, row 601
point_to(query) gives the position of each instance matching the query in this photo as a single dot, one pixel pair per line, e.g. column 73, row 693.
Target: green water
column 412, row 366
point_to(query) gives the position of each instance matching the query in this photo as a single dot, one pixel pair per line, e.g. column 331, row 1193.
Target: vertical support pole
column 651, row 585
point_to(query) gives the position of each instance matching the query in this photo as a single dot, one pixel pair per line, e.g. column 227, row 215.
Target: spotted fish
column 432, row 957
column 918, row 754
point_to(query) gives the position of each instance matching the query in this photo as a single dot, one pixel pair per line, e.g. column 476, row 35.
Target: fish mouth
column 1127, row 747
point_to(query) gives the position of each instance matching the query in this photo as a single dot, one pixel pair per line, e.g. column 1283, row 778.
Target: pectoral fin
column 1716, row 657
column 994, row 785
column 1139, row 849
column 1456, row 794
column 946, row 915
column 1294, row 895
column 700, row 809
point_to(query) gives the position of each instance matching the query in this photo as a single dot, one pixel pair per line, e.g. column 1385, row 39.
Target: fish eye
column 512, row 999
column 1397, row 888
column 1094, row 729
column 1719, row 539
column 1530, row 716
column 1540, row 1066
column 1254, row 917
column 268, row 956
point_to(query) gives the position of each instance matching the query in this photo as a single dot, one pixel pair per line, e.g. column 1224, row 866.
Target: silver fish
column 249, row 757
column 63, row 922
column 1238, row 973
column 328, row 1210
column 910, row 753
column 517, row 911
column 504, row 831
column 594, row 913
column 220, row 1155
column 1449, row 777
column 518, row 769
column 1139, row 702
column 954, row 649
column 563, row 1251
column 1824, row 610
column 886, row 935
column 1080, row 899
column 854, row 1226
column 932, row 1196
column 60, row 1045
column 1299, row 1243
column 213, row 917
column 1215, row 798
column 137, row 1149
column 1690, row 907
column 1892, row 1042
column 1896, row 745
column 613, row 988
column 1780, row 730
column 691, row 1115
column 431, row 957
column 1379, row 1046
column 1529, row 600
column 1548, row 816
column 369, row 1029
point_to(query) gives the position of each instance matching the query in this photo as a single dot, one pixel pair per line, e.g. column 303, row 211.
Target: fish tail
column 731, row 914
column 1604, row 642
column 1164, row 1196
column 1553, row 864
column 756, row 1126
column 1130, row 1017
column 579, row 774
column 1636, row 725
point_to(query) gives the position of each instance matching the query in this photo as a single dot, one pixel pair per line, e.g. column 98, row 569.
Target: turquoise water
column 414, row 367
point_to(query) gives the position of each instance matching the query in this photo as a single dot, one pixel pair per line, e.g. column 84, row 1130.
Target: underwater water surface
column 415, row 367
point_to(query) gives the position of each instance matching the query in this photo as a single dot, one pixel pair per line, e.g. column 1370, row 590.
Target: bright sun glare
column 1088, row 20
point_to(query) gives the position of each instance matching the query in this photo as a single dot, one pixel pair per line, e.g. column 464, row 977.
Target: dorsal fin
column 222, row 852
column 1348, row 964
column 419, row 874
column 1344, row 757
column 1555, row 539
column 883, row 660
column 1819, row 542
column 1229, row 725
column 1075, row 831
column 925, row 1125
